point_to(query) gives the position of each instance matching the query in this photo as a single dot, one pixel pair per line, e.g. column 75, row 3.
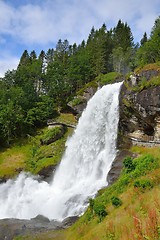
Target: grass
column 100, row 80
column 67, row 118
column 136, row 213
column 111, row 77
column 46, row 155
column 12, row 160
column 144, row 84
column 132, row 218
column 147, row 67
column 52, row 235
column 29, row 155
column 77, row 100
column 92, row 84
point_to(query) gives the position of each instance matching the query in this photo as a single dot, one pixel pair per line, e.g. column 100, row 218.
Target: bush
column 99, row 210
column 116, row 201
column 128, row 164
column 91, row 203
column 144, row 164
column 143, row 184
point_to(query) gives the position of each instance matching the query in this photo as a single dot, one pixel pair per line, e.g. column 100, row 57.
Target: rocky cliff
column 140, row 109
column 139, row 122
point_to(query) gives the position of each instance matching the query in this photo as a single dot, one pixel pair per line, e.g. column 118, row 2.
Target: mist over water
column 82, row 171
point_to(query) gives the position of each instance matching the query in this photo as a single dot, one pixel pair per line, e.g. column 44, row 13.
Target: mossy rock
column 53, row 134
column 109, row 78
column 148, row 67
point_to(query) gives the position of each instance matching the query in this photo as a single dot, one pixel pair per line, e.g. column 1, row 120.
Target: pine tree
column 144, row 39
column 25, row 59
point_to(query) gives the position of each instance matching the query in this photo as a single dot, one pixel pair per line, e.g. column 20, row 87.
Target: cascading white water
column 82, row 171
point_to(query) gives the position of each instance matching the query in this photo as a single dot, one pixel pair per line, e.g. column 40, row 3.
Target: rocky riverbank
column 10, row 228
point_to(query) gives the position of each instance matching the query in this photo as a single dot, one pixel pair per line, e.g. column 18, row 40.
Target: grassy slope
column 29, row 155
column 137, row 218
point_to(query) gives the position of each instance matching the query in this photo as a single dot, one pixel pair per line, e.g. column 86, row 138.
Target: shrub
column 116, row 201
column 76, row 101
column 129, row 164
column 91, row 203
column 144, row 164
column 99, row 210
column 143, row 184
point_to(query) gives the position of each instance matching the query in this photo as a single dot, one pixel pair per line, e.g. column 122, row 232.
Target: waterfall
column 82, row 171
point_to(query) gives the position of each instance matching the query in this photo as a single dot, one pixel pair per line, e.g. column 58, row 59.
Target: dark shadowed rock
column 46, row 173
column 10, row 228
column 139, row 116
column 78, row 108
column 117, row 165
column 69, row 221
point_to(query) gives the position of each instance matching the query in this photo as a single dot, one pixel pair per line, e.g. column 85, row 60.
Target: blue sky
column 38, row 24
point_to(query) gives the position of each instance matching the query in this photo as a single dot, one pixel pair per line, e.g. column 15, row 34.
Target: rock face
column 139, row 114
column 83, row 99
column 10, row 228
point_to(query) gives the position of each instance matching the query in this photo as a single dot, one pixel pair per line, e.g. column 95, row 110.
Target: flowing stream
column 82, row 171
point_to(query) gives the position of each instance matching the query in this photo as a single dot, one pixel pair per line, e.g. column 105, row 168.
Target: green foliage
column 116, row 201
column 144, row 84
column 143, row 184
column 76, row 101
column 144, row 164
column 92, row 84
column 149, row 52
column 111, row 77
column 99, row 209
column 32, row 93
column 52, row 133
column 128, row 164
column 134, row 170
column 91, row 203
column 96, row 208
column 42, row 156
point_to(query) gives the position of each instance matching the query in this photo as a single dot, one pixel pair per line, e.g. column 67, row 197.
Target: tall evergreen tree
column 144, row 39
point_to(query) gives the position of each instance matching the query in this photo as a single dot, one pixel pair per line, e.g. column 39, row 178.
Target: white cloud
column 72, row 19
column 8, row 63
column 42, row 23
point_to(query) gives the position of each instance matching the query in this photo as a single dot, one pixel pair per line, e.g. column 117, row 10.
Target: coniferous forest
column 42, row 85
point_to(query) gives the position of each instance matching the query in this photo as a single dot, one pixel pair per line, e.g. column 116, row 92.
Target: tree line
column 42, row 84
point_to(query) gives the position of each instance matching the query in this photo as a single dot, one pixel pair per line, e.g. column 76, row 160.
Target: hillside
column 31, row 95
column 30, row 154
column 129, row 208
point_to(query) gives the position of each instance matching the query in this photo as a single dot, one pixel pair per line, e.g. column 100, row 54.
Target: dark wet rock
column 10, row 228
column 41, row 218
column 117, row 165
column 69, row 221
column 46, row 173
column 83, row 99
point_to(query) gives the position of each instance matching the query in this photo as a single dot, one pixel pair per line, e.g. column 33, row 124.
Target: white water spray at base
column 82, row 171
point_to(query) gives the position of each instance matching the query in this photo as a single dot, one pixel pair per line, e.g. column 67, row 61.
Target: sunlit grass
column 28, row 154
